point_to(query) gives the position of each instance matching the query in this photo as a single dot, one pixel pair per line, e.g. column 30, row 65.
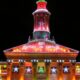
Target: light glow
column 41, row 70
column 78, row 69
column 41, row 47
column 66, row 69
column 28, row 70
column 73, row 78
column 15, row 69
column 41, row 5
column 0, row 69
column 53, row 70
column 29, row 64
column 5, row 66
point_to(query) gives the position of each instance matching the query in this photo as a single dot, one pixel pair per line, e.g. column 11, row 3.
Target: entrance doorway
column 41, row 71
column 28, row 72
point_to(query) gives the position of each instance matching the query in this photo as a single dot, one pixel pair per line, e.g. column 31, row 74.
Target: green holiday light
column 41, row 70
column 42, row 0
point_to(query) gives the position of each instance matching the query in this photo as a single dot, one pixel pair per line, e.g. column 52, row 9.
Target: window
column 21, row 60
column 78, row 69
column 53, row 70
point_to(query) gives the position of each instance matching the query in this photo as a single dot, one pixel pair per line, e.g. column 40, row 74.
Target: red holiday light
column 41, row 5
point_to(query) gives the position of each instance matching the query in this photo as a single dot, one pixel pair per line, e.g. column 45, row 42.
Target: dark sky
column 16, row 22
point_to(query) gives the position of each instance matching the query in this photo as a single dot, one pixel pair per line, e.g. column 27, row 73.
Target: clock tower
column 41, row 21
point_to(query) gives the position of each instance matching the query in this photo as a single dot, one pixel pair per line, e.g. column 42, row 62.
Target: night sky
column 16, row 23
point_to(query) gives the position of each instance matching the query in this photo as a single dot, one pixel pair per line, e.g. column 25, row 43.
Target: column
column 9, row 70
column 73, row 71
column 60, row 72
column 22, row 68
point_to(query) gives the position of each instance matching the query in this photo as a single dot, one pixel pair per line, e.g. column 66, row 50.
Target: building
column 40, row 58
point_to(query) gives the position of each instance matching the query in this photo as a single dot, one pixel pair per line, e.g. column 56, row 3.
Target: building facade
column 40, row 58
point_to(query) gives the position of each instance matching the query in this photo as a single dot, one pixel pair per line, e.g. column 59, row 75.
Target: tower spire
column 41, row 21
